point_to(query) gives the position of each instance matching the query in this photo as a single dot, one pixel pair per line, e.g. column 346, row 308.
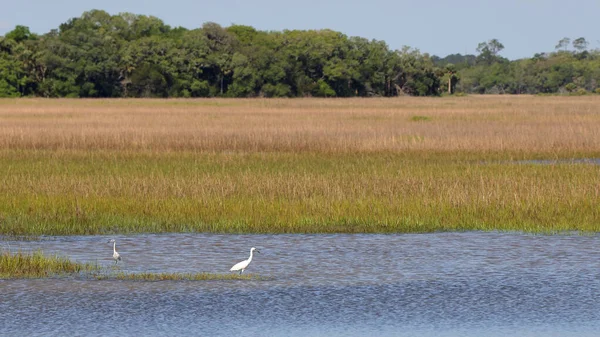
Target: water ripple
column 444, row 284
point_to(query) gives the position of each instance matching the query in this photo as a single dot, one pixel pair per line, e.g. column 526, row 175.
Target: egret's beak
column 256, row 250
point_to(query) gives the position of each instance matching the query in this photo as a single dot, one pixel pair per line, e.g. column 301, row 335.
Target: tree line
column 128, row 55
column 570, row 69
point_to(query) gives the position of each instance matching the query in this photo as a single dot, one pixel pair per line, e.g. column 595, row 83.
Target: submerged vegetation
column 176, row 277
column 298, row 166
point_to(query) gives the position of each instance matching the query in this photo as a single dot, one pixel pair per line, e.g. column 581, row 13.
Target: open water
column 442, row 284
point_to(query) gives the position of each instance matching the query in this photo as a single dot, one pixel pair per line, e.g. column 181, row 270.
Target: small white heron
column 241, row 266
column 116, row 255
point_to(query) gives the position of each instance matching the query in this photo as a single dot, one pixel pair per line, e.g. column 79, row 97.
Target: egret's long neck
column 250, row 258
column 114, row 247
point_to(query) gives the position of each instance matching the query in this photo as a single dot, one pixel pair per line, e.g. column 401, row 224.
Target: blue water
column 444, row 284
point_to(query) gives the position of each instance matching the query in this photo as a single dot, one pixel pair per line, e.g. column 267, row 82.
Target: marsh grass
column 562, row 125
column 175, row 277
column 292, row 193
column 420, row 118
column 38, row 265
column 298, row 166
column 24, row 238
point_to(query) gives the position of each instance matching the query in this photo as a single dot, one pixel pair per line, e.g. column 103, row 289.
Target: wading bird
column 241, row 266
column 116, row 255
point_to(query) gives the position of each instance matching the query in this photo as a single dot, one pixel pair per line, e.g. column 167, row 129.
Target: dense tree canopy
column 128, row 55
column 564, row 71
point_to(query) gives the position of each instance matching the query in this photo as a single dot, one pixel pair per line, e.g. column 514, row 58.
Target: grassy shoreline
column 298, row 166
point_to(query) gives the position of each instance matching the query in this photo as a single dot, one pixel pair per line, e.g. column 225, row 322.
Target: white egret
column 116, row 255
column 241, row 266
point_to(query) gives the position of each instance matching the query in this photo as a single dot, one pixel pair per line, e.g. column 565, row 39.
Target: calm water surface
column 444, row 284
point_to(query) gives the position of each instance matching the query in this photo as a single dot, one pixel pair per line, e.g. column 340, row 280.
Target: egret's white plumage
column 241, row 266
column 116, row 256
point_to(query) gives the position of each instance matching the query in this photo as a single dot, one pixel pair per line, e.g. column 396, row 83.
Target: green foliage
column 458, row 60
column 580, row 44
column 563, row 43
column 415, row 73
column 544, row 73
column 323, row 89
column 129, row 55
column 276, row 90
column 20, row 34
column 488, row 51
column 148, row 81
column 570, row 87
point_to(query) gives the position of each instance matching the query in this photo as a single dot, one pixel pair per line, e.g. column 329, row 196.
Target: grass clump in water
column 38, row 265
column 175, row 277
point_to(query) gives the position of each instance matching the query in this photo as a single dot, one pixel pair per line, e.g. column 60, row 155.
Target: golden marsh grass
column 478, row 123
column 298, row 165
